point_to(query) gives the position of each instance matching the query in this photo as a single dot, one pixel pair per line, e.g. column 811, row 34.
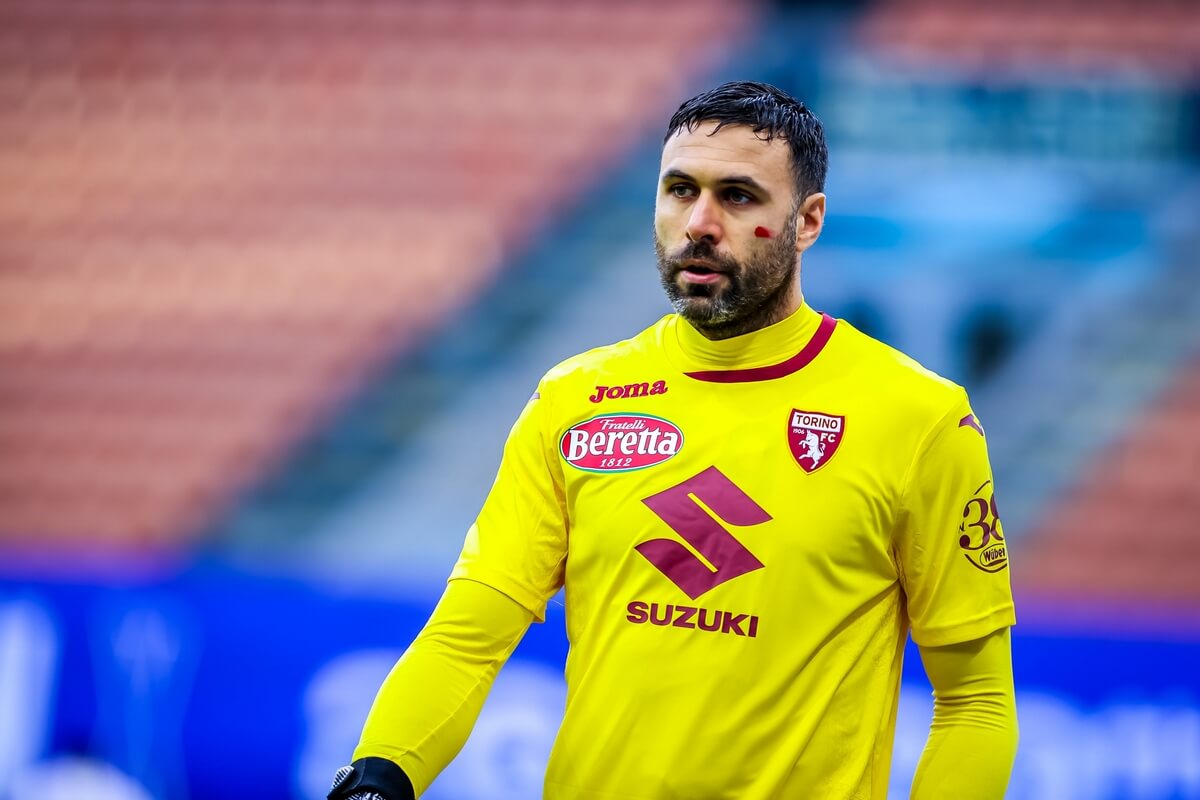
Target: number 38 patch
column 982, row 539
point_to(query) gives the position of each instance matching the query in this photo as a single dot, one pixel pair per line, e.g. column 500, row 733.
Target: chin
column 702, row 311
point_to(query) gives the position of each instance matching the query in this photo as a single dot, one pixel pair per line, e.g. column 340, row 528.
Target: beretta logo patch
column 620, row 442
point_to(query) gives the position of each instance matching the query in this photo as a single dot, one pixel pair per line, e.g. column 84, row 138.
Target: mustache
column 702, row 250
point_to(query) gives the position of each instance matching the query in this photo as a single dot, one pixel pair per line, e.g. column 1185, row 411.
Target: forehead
column 733, row 150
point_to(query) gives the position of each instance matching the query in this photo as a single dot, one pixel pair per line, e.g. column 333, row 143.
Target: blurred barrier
column 217, row 683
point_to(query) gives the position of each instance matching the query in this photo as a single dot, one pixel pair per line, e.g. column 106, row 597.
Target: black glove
column 371, row 779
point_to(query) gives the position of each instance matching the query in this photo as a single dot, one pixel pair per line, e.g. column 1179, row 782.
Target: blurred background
column 277, row 276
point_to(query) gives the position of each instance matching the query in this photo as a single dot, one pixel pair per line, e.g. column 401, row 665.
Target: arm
column 429, row 702
column 973, row 738
column 953, row 564
column 511, row 564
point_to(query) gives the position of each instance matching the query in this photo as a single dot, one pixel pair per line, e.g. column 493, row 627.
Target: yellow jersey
column 746, row 531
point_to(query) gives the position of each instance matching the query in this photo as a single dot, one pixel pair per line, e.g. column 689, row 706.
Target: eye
column 680, row 190
column 738, row 198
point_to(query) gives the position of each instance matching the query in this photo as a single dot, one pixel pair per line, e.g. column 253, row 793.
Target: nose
column 705, row 221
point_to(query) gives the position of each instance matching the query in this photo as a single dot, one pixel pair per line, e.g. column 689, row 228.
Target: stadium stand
column 1041, row 37
column 219, row 218
column 1128, row 530
column 1089, row 440
column 932, row 180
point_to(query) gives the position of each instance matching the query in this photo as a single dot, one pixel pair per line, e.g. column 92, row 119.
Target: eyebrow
column 740, row 180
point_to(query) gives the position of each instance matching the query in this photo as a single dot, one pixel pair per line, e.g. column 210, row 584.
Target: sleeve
column 973, row 739
column 950, row 548
column 430, row 700
column 518, row 543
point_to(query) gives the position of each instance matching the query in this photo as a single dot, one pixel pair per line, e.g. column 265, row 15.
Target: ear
column 810, row 219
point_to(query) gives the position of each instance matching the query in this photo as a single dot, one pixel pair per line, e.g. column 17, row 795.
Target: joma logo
column 642, row 389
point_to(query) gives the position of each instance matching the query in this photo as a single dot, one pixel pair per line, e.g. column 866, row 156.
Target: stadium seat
column 1128, row 531
column 1033, row 38
column 218, row 218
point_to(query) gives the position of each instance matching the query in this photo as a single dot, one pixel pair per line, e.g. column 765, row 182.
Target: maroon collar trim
column 772, row 371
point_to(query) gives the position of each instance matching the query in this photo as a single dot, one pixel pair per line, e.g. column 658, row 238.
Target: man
column 749, row 504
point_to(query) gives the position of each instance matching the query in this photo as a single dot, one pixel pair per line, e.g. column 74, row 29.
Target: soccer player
column 749, row 504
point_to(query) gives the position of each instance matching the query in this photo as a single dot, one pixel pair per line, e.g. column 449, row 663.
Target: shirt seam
column 554, row 468
column 521, row 595
column 1001, row 617
column 927, row 438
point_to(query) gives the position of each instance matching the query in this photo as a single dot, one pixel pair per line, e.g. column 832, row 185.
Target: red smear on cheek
column 762, row 232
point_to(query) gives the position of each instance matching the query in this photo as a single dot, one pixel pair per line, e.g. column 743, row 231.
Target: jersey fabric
column 746, row 530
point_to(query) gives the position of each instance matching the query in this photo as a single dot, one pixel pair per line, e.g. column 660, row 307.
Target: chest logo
column 620, row 442
column 643, row 389
column 814, row 438
column 692, row 509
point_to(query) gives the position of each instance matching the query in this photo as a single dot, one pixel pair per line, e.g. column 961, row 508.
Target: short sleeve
column 518, row 543
column 950, row 545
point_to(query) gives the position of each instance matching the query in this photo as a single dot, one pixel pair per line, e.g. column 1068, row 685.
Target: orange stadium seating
column 1029, row 37
column 1128, row 531
column 218, row 217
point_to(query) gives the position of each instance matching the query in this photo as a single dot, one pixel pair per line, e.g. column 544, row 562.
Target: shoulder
column 904, row 386
column 594, row 367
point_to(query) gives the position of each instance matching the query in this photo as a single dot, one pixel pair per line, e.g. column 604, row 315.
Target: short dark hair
column 770, row 112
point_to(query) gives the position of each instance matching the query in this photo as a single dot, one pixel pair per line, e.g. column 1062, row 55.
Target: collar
column 765, row 354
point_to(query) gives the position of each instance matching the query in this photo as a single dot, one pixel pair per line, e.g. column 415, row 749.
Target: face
column 718, row 193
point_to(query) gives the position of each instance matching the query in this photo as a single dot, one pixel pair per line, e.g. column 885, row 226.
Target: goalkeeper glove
column 371, row 779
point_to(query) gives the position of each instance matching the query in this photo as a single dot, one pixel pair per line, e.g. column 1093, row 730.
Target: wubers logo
column 982, row 539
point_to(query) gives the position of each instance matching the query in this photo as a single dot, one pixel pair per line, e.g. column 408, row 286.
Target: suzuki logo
column 686, row 508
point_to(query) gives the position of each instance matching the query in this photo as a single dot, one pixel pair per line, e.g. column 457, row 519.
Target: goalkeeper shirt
column 746, row 531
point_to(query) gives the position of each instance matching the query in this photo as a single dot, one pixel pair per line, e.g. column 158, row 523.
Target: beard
column 753, row 295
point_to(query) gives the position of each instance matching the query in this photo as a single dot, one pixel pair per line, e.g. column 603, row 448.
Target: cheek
column 666, row 224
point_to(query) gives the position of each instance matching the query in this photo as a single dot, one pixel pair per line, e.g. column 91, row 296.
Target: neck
column 755, row 349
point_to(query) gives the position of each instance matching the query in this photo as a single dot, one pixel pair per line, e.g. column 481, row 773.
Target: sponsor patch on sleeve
column 982, row 538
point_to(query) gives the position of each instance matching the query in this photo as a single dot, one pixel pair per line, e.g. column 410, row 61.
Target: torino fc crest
column 814, row 437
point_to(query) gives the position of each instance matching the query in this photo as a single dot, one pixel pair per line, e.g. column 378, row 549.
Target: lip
column 701, row 277
column 688, row 264
column 689, row 269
